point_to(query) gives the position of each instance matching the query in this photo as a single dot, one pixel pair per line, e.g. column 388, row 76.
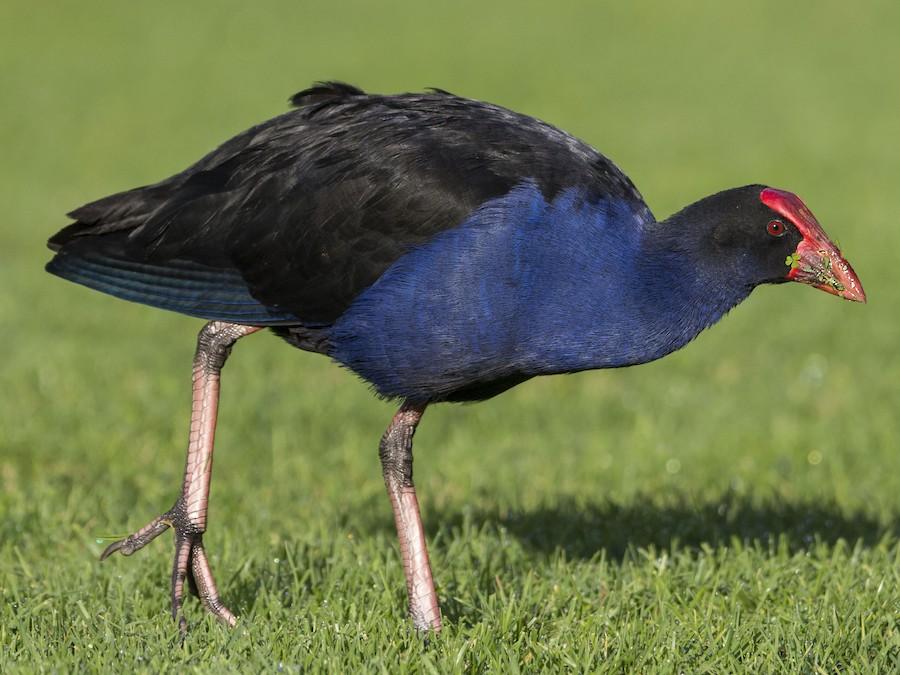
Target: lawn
column 733, row 507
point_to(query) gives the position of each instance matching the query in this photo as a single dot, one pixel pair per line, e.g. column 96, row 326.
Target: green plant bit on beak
column 793, row 260
column 823, row 273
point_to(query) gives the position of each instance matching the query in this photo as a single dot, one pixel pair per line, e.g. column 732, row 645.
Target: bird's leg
column 188, row 516
column 397, row 466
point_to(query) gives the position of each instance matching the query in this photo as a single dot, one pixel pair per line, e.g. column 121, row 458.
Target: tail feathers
column 113, row 213
column 82, row 229
column 180, row 286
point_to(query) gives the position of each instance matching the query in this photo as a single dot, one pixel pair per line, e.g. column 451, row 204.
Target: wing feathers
column 180, row 286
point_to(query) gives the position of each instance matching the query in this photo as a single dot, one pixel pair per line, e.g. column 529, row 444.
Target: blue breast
column 524, row 287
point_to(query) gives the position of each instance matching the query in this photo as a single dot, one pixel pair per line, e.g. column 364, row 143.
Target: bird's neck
column 645, row 296
column 682, row 293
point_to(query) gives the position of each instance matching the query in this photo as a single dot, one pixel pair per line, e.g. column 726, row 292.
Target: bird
column 443, row 249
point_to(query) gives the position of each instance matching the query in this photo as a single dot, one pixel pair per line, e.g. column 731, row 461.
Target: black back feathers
column 293, row 218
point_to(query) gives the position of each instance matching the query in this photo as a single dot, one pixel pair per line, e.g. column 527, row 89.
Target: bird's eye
column 775, row 228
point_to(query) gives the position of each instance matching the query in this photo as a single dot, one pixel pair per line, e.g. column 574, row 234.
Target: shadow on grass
column 585, row 530
column 617, row 532
column 582, row 530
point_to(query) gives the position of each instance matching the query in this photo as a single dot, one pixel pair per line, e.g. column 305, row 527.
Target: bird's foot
column 191, row 563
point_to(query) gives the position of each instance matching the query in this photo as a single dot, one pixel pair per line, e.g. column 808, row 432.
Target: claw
column 112, row 548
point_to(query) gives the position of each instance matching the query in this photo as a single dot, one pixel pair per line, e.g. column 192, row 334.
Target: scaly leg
column 188, row 516
column 397, row 466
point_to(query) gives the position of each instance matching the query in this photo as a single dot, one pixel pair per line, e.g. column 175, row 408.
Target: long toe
column 191, row 566
column 201, row 573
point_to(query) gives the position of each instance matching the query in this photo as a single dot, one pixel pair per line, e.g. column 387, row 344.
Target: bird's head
column 756, row 234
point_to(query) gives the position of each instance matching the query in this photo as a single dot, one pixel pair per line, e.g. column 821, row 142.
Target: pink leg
column 397, row 465
column 188, row 515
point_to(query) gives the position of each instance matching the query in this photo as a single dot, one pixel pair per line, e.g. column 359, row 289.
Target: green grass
column 733, row 507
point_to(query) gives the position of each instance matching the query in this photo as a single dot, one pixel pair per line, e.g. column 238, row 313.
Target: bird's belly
column 417, row 356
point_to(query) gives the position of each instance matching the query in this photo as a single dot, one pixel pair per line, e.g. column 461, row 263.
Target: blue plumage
column 527, row 287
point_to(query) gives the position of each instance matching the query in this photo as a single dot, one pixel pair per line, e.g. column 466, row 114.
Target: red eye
column 775, row 228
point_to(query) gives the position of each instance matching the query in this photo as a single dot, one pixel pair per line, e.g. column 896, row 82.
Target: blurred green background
column 732, row 506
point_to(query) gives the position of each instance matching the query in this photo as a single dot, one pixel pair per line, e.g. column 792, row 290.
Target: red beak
column 817, row 261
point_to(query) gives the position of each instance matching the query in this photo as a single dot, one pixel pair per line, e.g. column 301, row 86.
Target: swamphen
column 441, row 248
